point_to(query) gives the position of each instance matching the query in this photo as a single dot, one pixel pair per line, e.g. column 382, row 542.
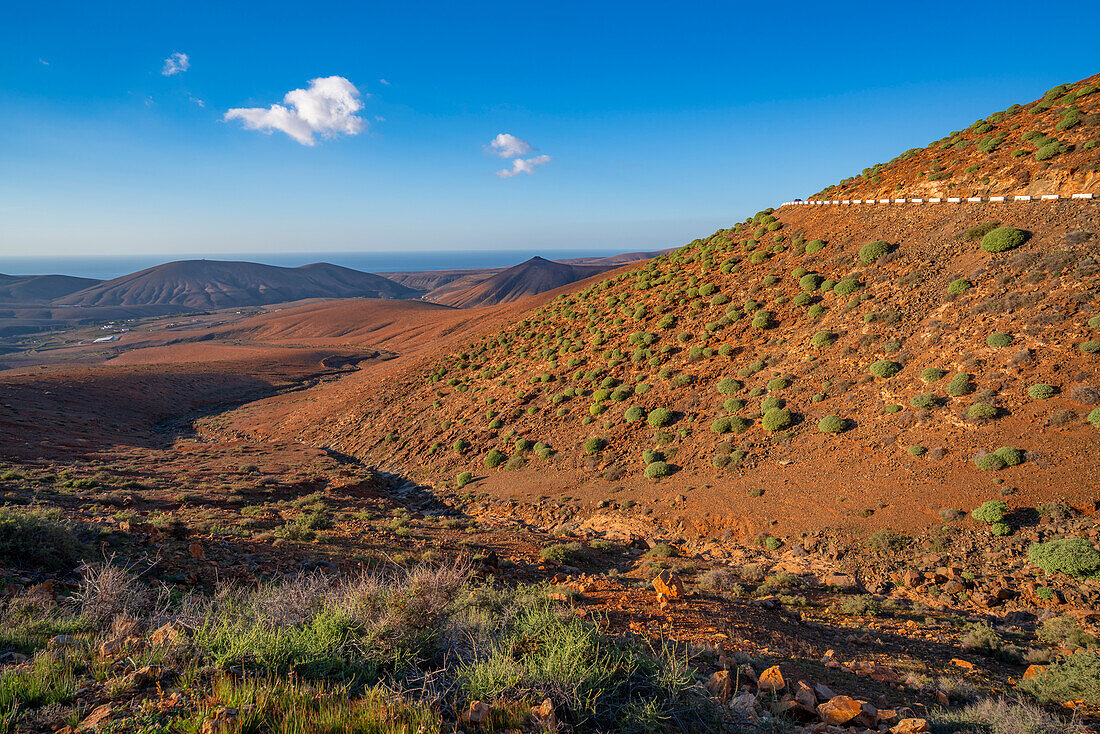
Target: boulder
column 720, row 686
column 910, row 726
column 670, row 585
column 97, row 718
column 543, row 715
column 771, row 680
column 840, row 710
column 476, row 713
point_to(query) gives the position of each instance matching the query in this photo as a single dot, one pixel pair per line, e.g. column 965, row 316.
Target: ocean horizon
column 105, row 267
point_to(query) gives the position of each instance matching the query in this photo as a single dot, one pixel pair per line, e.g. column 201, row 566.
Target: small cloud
column 44, row 62
column 197, row 101
column 524, row 165
column 509, row 146
column 177, row 63
column 149, row 102
column 379, row 118
column 327, row 108
column 383, row 82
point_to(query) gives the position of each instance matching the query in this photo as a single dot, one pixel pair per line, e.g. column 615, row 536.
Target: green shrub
column 542, row 450
column 846, row 287
column 872, row 251
column 494, row 458
column 932, row 374
column 595, row 445
column 884, row 369
column 776, row 419
column 1040, row 391
column 523, row 444
column 814, row 246
column 1094, row 417
column 728, row 386
column 564, row 553
column 460, row 445
column 991, row 512
column 1090, row 347
column 989, row 462
column 959, row 385
column 1072, row 556
column 823, row 339
column 999, row 340
column 761, row 319
column 917, row 450
column 1003, row 238
column 959, row 286
column 831, row 424
column 810, row 282
column 777, row 383
column 463, row 479
column 983, row 411
column 721, row 425
column 660, row 417
column 924, row 401
column 1073, row 678
column 1010, row 455
column 633, row 413
column 37, row 539
column 770, row 402
column 657, row 469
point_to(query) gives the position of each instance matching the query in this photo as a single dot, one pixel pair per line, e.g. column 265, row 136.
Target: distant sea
column 112, row 266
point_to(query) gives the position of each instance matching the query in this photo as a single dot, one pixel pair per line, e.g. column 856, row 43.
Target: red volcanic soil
column 537, row 275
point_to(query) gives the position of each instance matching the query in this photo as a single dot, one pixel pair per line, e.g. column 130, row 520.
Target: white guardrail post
column 938, row 200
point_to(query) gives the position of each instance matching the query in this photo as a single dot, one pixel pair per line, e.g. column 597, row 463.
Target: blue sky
column 661, row 121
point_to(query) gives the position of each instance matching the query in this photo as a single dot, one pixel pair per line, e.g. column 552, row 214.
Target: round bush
column 728, row 386
column 542, row 450
column 959, row 385
column 1090, row 347
column 594, row 445
column 657, row 469
column 738, row 424
column 1040, row 391
column 1003, row 238
column 989, row 462
column 846, row 287
column 814, row 246
column 884, row 369
column 1010, row 456
column 1094, row 417
column 917, row 450
column 776, row 419
column 732, row 405
column 463, row 479
column 810, row 282
column 872, row 251
column 831, row 424
column 924, row 401
column 932, row 374
column 660, row 417
column 633, row 413
column 770, row 402
column 959, row 286
column 777, row 383
column 1071, row 556
column 494, row 459
column 822, row 339
column 721, row 425
column 998, row 340
column 991, row 512
column 981, row 411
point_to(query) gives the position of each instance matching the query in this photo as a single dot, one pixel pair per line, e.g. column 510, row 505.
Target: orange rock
column 1034, row 671
column 670, row 585
column 910, row 726
column 771, row 680
column 196, row 551
column 476, row 713
column 829, row 660
column 964, row 664
column 166, row 634
column 720, row 685
column 840, row 710
column 544, row 716
column 94, row 720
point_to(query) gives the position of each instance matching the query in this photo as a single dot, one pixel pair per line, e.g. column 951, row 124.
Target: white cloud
column 177, row 63
column 509, row 146
column 327, row 108
column 44, row 62
column 197, row 101
column 383, row 82
column 524, row 165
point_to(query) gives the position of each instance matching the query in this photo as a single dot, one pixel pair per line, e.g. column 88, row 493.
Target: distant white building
column 111, row 338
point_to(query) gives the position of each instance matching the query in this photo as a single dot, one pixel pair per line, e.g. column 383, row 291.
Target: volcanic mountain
column 207, row 284
column 529, row 278
column 40, row 288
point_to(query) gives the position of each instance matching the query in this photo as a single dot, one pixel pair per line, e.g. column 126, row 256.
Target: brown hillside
column 537, row 275
column 569, row 372
column 1049, row 146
